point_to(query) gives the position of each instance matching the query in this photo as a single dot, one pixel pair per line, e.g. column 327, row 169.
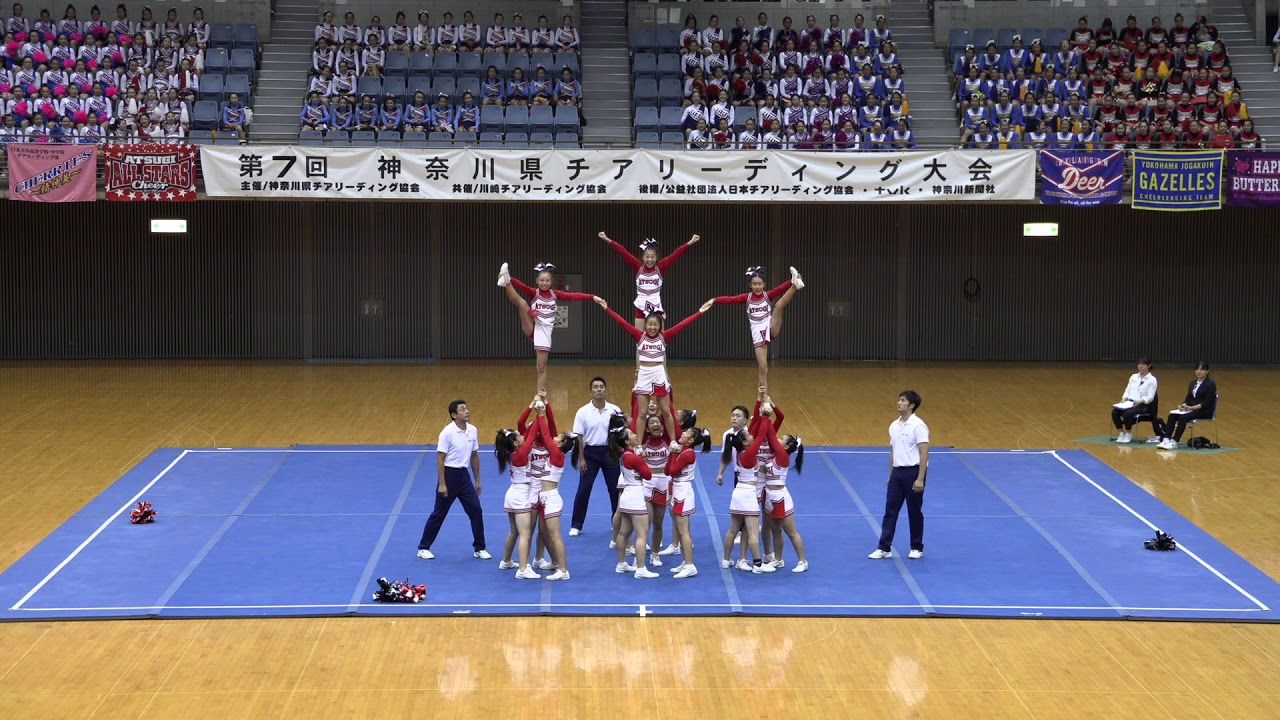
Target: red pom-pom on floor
column 142, row 514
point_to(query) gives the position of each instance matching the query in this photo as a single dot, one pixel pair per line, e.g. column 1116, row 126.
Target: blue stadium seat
column 204, row 115
column 741, row 115
column 419, row 84
column 669, row 119
column 446, row 65
column 395, row 85
column 491, row 119
column 981, row 36
column 669, row 66
column 444, row 86
column 668, row 40
column 672, row 140
column 670, row 92
column 396, row 65
column 440, row 140
column 1004, row 38
column 213, row 87
column 217, row 60
column 495, row 59
column 541, row 138
column 221, row 35
column 567, row 119
column 566, row 60
column 567, row 140
column 366, row 85
column 519, row 60
column 541, row 119
column 647, row 141
column 1053, row 37
column 389, row 137
column 469, row 66
column 517, row 140
column 306, row 137
column 1031, row 33
column 415, row 139
column 420, row 65
column 468, row 85
column 227, row 139
column 643, row 39
column 464, row 139
column 644, row 65
column 647, row 120
column 363, row 138
column 239, row 84
column 243, row 62
column 957, row 39
column 205, row 137
column 247, row 36
column 646, row 92
column 337, row 137
column 490, row 140
column 516, row 119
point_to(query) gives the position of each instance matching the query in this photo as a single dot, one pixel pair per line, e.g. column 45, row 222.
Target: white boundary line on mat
column 96, row 533
column 1152, row 525
column 724, row 606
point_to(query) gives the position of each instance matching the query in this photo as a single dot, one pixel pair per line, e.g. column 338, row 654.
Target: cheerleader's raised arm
column 764, row 317
column 649, row 273
column 538, row 313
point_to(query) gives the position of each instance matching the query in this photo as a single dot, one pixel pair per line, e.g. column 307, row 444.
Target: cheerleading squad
column 654, row 450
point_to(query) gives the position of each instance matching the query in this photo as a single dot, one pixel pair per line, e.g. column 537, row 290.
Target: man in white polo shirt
column 591, row 425
column 458, row 444
column 908, row 462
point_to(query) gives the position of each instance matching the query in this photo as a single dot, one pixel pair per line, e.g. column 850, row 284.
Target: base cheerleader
column 764, row 316
column 651, row 355
column 744, row 504
column 779, row 509
column 512, row 450
column 649, row 270
column 538, row 314
column 681, row 495
column 632, row 508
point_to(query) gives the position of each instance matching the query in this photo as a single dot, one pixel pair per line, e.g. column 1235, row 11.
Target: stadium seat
column 465, row 139
column 567, row 140
column 419, row 84
column 366, row 85
column 646, row 92
column 397, row 64
column 647, row 120
column 742, row 114
column 468, row 85
column 1031, row 33
column 672, row 140
column 247, row 37
column 226, row 139
column 517, row 140
column 516, row 119
column 518, row 60
column 648, row 141
column 668, row 40
column 541, row 119
column 1004, row 38
column 1053, row 37
column 957, row 39
column 415, row 139
column 440, row 140
column 493, row 59
column 363, row 138
column 491, row 119
column 239, row 84
column 490, row 139
column 217, row 60
column 566, row 60
column 444, row 86
column 567, row 119
column 395, row 85
column 337, row 137
column 221, row 35
column 420, row 65
column 643, row 40
column 670, row 119
column 981, row 36
column 446, row 65
column 541, row 138
column 669, row 67
column 389, row 137
column 243, row 62
column 213, row 87
column 645, row 65
column 205, row 137
column 469, row 66
column 306, row 137
column 204, row 115
column 670, row 92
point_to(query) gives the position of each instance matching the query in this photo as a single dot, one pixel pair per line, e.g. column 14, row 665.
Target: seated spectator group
column 832, row 88
column 439, row 85
column 1085, row 89
column 94, row 80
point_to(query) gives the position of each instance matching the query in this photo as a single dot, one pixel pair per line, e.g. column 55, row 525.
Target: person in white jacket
column 1139, row 401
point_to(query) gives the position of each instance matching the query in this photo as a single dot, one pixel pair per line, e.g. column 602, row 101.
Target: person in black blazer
column 1201, row 402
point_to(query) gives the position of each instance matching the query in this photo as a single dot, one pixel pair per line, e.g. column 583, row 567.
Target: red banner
column 40, row 172
column 166, row 173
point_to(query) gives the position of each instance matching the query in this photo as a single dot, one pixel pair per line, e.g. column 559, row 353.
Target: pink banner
column 41, row 172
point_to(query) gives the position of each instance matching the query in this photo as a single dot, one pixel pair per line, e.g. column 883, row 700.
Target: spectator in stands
column 800, row 138
column 518, row 36
column 467, row 116
column 424, row 36
column 417, row 116
column 447, row 35
column 517, row 88
column 1221, row 138
column 712, row 38
column 1235, row 111
column 322, row 83
column 172, row 27
column 374, row 57
column 568, row 91
column 374, row 33
column 323, row 56
column 787, row 35
column 348, row 55
column 542, row 83
column 495, row 38
column 567, row 39
column 342, row 117
column 399, row 35
column 391, row 116
column 723, row 138
column 1247, row 139
column 365, row 116
column 698, row 137
column 694, row 113
column 690, row 32
column 1194, row 137
column 1226, row 84
column 749, row 138
column 543, row 38
column 493, row 90
column 469, row 34
column 235, row 118
column 349, row 30
column 762, row 32
column 903, row 138
column 325, row 29
column 344, row 82
column 775, row 138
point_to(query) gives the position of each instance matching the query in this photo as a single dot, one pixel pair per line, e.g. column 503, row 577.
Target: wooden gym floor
column 68, row 430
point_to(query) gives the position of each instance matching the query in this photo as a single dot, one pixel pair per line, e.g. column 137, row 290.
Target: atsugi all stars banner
column 287, row 172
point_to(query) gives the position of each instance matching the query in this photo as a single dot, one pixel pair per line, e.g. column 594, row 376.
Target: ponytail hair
column 688, row 419
column 569, row 446
column 732, row 442
column 795, row 448
column 504, row 445
column 618, row 442
column 704, row 438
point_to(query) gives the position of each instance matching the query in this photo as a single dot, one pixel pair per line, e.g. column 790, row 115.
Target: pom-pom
column 31, row 90
column 102, row 118
column 100, row 32
column 81, row 117
column 77, row 37
column 112, row 91
column 49, row 112
column 11, row 49
column 91, row 65
column 85, row 88
column 397, row 591
column 21, row 109
column 117, row 57
column 126, row 40
column 39, row 58
column 1161, row 541
column 142, row 514
column 48, row 37
column 43, row 139
column 4, row 88
column 59, row 90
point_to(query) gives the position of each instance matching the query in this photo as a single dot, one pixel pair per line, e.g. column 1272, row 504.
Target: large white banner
column 616, row 175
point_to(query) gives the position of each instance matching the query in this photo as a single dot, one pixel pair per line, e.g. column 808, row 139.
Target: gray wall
column 1038, row 13
column 412, row 280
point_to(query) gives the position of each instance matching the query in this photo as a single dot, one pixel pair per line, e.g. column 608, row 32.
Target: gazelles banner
column 289, row 172
column 1178, row 180
column 40, row 172
column 165, row 173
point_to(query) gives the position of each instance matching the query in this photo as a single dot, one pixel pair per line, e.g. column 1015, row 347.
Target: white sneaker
column 504, row 275
column 644, row 573
column 624, row 568
column 613, row 545
column 1125, row 438
column 737, row 539
column 545, row 564
column 1154, row 440
column 426, row 555
column 726, row 564
column 763, row 568
column 879, row 554
column 676, row 569
column 743, row 565
column 768, row 557
column 558, row 575
column 778, row 564
column 631, row 550
column 801, row 566
column 671, row 549
column 1275, row 69
column 654, row 560
column 527, row 574
column 686, row 571
column 482, row 554
column 574, row 532
column 796, row 279
column 508, row 565
column 915, row 554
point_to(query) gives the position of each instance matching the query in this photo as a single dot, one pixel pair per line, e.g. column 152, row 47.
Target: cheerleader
column 765, row 319
column 424, row 35
column 567, row 38
column 651, row 355
column 779, row 509
column 634, row 472
column 172, row 27
column 199, row 29
column 682, row 497
column 656, row 448
column 520, row 500
column 649, row 273
column 538, row 315
column 744, row 504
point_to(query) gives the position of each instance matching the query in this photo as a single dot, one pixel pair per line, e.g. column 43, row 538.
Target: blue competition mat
column 306, row 531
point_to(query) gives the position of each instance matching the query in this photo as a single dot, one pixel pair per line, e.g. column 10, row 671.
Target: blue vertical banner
column 1081, row 179
column 1178, row 180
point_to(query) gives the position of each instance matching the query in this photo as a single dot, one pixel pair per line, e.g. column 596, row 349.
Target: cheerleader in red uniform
column 655, row 448
column 538, row 314
column 681, row 495
column 512, row 448
column 632, row 510
column 651, row 356
column 649, row 271
column 744, row 504
column 764, row 316
column 779, row 509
